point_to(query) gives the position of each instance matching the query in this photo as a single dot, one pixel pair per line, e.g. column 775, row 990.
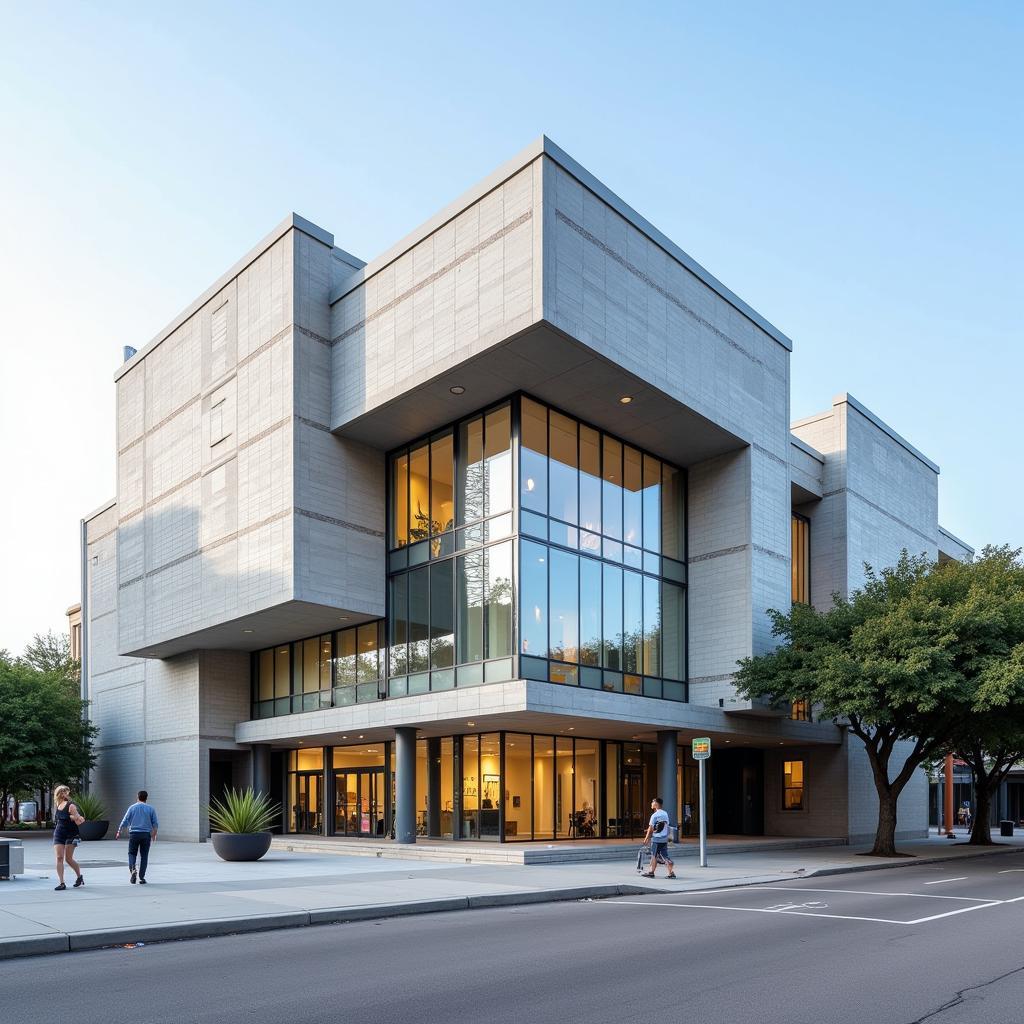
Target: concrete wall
column 466, row 284
column 826, row 805
column 612, row 285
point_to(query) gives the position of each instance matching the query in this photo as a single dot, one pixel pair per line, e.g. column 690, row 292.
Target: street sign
column 702, row 748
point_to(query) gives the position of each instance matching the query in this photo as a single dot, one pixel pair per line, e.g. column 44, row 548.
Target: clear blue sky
column 855, row 174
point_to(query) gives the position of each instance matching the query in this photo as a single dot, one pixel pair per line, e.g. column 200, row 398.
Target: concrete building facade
column 466, row 542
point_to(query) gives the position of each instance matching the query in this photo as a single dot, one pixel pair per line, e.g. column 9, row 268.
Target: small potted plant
column 240, row 823
column 96, row 824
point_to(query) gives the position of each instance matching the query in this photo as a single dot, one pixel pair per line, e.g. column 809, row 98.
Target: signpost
column 701, row 752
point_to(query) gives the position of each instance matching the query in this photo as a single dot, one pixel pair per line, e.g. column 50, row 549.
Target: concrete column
column 405, row 785
column 434, row 786
column 667, row 743
column 261, row 768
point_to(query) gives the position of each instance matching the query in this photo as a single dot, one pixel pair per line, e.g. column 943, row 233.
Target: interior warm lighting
column 625, row 399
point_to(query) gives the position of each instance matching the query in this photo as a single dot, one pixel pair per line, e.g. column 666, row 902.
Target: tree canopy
column 44, row 737
column 921, row 653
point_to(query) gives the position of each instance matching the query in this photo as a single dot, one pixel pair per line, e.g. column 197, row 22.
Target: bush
column 90, row 807
column 243, row 812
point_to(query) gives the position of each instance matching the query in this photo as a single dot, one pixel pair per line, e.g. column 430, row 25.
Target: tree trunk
column 885, row 836
column 981, row 826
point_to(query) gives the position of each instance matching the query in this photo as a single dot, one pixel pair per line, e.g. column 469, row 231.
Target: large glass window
column 800, row 530
column 533, row 583
column 564, row 608
column 534, row 450
column 792, row 785
column 498, row 598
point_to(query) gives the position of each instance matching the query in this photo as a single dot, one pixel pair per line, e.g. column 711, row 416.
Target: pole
column 949, row 797
column 703, row 817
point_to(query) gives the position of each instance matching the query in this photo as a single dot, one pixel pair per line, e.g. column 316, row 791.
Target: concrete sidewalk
column 192, row 893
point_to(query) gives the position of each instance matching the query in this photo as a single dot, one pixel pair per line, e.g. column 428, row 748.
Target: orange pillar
column 949, row 797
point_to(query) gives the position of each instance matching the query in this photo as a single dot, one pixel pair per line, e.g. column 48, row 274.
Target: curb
column 61, row 942
column 913, row 862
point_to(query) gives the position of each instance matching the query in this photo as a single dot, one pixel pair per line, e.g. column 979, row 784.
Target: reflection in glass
column 498, row 455
column 419, row 620
column 471, row 470
column 632, row 620
column 490, row 785
column 533, row 584
column 564, row 606
column 611, row 488
column 632, row 485
column 400, row 501
column 586, row 820
column 419, row 493
column 673, row 632
column 563, row 480
column 613, row 823
column 534, row 462
column 266, row 670
column 672, row 512
column 652, row 503
column 498, row 595
column 282, row 671
column 470, row 583
column 612, row 617
column 345, row 662
column 590, row 479
column 442, row 615
column 590, row 612
column 652, row 627
column 441, row 474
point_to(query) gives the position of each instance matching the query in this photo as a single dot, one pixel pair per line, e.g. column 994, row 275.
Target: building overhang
column 267, row 627
column 530, row 707
column 555, row 368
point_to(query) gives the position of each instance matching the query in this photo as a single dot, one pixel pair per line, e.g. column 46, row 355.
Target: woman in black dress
column 66, row 820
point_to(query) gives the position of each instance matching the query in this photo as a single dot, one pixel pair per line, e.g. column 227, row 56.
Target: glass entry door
column 359, row 806
column 307, row 801
column 633, row 816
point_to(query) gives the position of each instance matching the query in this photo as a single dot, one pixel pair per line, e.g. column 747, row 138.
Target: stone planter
column 241, row 846
column 93, row 831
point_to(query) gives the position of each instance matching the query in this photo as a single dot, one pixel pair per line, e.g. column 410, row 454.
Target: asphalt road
column 940, row 944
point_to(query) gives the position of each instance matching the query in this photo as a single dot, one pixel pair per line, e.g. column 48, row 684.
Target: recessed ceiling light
column 625, row 399
column 343, row 618
column 246, row 630
column 471, row 723
column 360, row 735
column 457, row 389
column 572, row 728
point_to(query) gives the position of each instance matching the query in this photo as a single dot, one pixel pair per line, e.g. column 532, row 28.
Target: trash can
column 1006, row 828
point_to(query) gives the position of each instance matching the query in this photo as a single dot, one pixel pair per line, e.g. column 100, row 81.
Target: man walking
column 657, row 835
column 141, row 821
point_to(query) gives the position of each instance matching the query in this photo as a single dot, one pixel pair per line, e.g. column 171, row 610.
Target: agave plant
column 90, row 807
column 243, row 812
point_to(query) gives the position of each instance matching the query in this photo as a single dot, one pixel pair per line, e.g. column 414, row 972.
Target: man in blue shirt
column 141, row 821
column 658, row 831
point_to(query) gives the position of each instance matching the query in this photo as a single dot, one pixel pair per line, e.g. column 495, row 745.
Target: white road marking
column 943, row 881
column 1009, row 871
column 812, row 909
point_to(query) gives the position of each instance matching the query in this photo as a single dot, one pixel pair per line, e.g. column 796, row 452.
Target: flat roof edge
column 885, row 428
column 545, row 147
column 595, row 185
column 805, row 447
column 293, row 220
column 89, row 517
column 449, row 212
column 952, row 536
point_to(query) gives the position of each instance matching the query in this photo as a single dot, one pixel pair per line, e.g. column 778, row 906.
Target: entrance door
column 307, row 802
column 634, row 820
column 359, row 802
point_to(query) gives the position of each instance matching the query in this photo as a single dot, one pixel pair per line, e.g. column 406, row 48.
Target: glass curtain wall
column 450, row 591
column 330, row 670
column 602, row 560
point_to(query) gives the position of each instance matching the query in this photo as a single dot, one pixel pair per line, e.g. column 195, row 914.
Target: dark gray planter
column 93, row 831
column 241, row 846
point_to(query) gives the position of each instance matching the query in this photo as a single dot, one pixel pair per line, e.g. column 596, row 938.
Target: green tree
column 990, row 738
column 44, row 736
column 895, row 662
column 51, row 652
